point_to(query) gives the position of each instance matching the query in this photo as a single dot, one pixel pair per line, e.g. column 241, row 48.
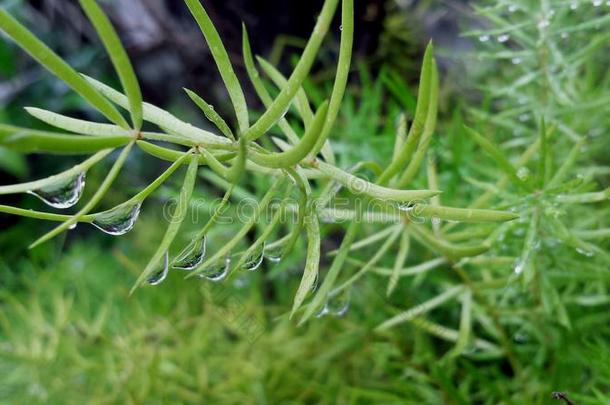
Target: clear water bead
column 62, row 194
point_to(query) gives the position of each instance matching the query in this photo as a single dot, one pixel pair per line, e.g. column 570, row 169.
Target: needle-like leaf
column 219, row 53
column 175, row 222
column 56, row 65
column 119, row 59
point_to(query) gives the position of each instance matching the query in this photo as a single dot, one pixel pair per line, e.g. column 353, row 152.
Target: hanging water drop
column 192, row 256
column 217, row 271
column 118, row 220
column 516, row 60
column 64, row 193
column 512, row 8
column 408, row 207
column 519, row 267
column 523, row 173
column 484, row 38
column 336, row 305
column 274, row 255
column 584, row 252
column 503, row 38
column 254, row 261
column 157, row 277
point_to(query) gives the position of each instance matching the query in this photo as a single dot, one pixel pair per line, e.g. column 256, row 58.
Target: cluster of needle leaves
column 292, row 162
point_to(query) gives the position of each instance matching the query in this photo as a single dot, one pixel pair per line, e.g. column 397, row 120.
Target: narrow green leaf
column 32, row 141
column 162, row 118
column 419, row 121
column 211, row 114
column 401, row 257
column 312, row 263
column 460, row 214
column 465, row 330
column 426, row 132
column 343, row 68
column 379, row 254
column 277, row 109
column 52, row 62
column 401, row 136
column 301, row 101
column 47, row 181
column 34, row 214
column 420, row 309
column 357, row 185
column 76, row 125
column 333, row 272
column 498, row 157
column 219, row 53
column 119, row 59
column 175, row 222
column 449, row 250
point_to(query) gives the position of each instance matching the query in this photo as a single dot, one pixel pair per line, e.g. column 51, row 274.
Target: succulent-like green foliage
column 235, row 151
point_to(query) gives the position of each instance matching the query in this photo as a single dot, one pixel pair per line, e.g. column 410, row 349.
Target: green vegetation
column 493, row 291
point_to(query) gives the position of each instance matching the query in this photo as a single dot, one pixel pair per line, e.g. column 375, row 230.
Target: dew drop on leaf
column 158, row 276
column 336, row 305
column 254, row 261
column 523, row 173
column 118, row 220
column 217, row 271
column 192, row 256
column 64, row 193
column 274, row 255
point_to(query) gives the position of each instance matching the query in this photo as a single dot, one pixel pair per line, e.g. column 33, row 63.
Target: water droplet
column 64, row 193
column 217, row 271
column 254, row 261
column 519, row 267
column 484, row 38
column 157, row 277
column 584, row 252
column 545, row 22
column 503, row 38
column 520, row 338
column 523, row 173
column 192, row 256
column 73, row 226
column 341, row 27
column 408, row 207
column 118, row 220
column 516, row 60
column 274, row 255
column 336, row 305
column 512, row 8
